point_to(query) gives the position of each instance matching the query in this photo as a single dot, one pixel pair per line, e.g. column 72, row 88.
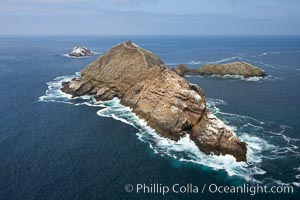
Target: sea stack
column 243, row 69
column 166, row 101
column 80, row 52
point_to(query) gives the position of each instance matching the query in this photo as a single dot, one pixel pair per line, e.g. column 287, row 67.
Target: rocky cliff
column 235, row 68
column 169, row 104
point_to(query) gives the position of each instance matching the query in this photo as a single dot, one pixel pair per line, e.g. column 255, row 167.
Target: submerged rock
column 169, row 104
column 81, row 52
column 235, row 68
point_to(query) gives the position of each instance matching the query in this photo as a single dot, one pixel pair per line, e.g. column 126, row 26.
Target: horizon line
column 119, row 35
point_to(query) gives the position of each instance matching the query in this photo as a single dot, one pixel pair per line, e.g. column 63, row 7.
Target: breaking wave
column 266, row 53
column 171, row 64
column 259, row 62
column 237, row 77
column 198, row 62
column 193, row 62
column 68, row 56
column 266, row 141
column 226, row 59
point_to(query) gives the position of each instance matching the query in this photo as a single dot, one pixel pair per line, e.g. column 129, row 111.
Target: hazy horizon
column 154, row 35
column 153, row 17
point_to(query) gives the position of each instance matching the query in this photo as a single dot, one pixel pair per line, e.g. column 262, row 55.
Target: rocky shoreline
column 166, row 101
column 243, row 69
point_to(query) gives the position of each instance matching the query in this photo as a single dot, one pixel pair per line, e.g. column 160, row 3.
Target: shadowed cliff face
column 169, row 104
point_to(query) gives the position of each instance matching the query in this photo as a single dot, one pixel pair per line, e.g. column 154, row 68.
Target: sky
column 149, row 17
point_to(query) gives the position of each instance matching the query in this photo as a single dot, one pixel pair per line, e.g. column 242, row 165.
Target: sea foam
column 266, row 140
column 68, row 56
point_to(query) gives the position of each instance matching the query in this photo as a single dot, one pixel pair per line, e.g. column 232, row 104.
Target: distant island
column 243, row 69
column 78, row 51
column 166, row 101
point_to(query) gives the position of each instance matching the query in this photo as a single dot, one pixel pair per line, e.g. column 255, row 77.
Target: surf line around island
column 184, row 150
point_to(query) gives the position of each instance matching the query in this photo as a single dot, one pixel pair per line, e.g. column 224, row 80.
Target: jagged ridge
column 169, row 104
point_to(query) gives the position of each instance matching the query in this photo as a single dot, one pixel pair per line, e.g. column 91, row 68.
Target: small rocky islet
column 166, row 101
column 243, row 69
column 79, row 51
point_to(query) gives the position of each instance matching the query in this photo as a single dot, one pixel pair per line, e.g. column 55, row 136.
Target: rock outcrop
column 81, row 52
column 169, row 104
column 235, row 68
column 182, row 70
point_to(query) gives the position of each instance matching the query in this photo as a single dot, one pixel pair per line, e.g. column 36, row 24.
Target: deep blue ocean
column 54, row 147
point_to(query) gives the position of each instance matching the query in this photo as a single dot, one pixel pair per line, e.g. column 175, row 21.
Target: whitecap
column 296, row 184
column 235, row 77
column 265, row 54
column 193, row 75
column 254, row 78
column 259, row 62
column 297, row 169
column 68, row 56
column 169, row 64
column 225, row 59
column 193, row 62
column 259, row 135
column 238, row 77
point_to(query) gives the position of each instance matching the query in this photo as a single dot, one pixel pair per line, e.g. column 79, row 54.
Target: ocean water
column 55, row 147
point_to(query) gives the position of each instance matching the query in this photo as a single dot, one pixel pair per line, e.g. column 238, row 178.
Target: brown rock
column 77, row 87
column 235, row 68
column 169, row 104
column 181, row 70
column 104, row 94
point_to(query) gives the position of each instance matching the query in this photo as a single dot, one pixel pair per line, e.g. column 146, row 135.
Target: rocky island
column 243, row 69
column 166, row 101
column 80, row 52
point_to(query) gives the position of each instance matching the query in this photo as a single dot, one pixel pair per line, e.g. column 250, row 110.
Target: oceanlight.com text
column 189, row 188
